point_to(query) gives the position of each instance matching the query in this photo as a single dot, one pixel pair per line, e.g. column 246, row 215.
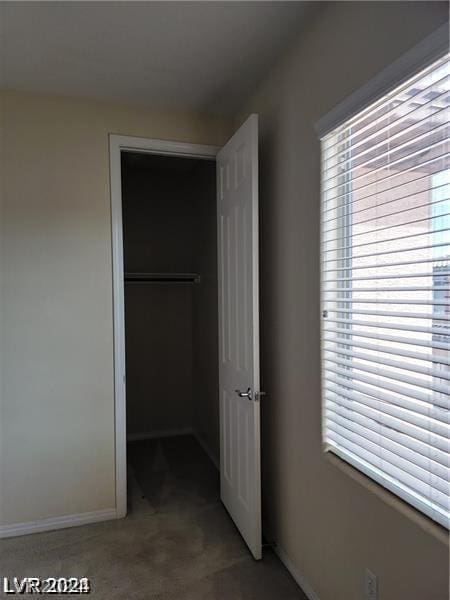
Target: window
column 385, row 291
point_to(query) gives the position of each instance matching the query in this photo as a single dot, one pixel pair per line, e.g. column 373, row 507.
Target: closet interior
column 171, row 329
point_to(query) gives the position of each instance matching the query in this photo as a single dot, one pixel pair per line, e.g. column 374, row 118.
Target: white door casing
column 237, row 215
column 118, row 144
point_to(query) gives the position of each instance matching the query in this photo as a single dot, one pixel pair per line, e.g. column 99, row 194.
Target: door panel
column 237, row 200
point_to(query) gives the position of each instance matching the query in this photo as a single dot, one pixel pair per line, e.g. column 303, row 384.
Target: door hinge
column 259, row 395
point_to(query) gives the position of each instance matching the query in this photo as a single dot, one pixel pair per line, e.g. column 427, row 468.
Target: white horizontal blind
column 385, row 293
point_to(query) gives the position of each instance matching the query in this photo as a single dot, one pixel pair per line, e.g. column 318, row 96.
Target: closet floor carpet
column 177, row 542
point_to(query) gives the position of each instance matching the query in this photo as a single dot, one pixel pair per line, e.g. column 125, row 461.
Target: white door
column 237, row 213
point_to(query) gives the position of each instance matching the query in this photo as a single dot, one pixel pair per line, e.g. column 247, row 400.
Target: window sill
column 424, row 522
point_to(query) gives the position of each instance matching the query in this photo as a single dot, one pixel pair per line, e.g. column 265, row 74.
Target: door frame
column 118, row 144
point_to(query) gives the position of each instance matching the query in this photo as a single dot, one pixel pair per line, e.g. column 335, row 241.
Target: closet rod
column 162, row 278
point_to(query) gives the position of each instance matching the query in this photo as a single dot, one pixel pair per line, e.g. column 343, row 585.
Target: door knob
column 248, row 394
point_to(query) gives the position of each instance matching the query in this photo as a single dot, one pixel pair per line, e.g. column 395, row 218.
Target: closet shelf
column 162, row 278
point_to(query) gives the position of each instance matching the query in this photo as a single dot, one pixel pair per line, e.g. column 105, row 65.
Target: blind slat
column 377, row 369
column 429, row 415
column 397, row 431
column 399, row 238
column 397, row 179
column 375, row 387
column 404, row 352
column 422, row 427
column 423, row 85
column 403, row 263
column 386, row 338
column 396, row 364
column 382, row 300
column 371, row 199
column 394, row 326
column 417, row 115
column 391, row 149
column 384, row 277
column 363, row 448
column 404, row 288
column 347, row 209
column 440, row 148
column 421, row 503
column 372, row 255
column 443, row 189
column 392, row 313
column 412, row 462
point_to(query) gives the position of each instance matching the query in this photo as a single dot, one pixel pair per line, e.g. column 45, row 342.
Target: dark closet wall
column 169, row 225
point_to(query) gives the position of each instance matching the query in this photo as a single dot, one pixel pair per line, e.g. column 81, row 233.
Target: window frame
column 431, row 49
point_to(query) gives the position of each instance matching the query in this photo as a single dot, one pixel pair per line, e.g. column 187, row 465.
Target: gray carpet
column 177, row 542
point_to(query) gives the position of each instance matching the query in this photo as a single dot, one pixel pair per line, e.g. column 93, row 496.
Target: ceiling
column 190, row 56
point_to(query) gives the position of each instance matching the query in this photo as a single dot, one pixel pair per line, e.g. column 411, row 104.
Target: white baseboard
column 299, row 578
column 207, row 449
column 52, row 523
column 151, row 435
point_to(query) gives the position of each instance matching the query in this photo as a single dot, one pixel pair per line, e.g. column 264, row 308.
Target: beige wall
column 330, row 526
column 57, row 406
